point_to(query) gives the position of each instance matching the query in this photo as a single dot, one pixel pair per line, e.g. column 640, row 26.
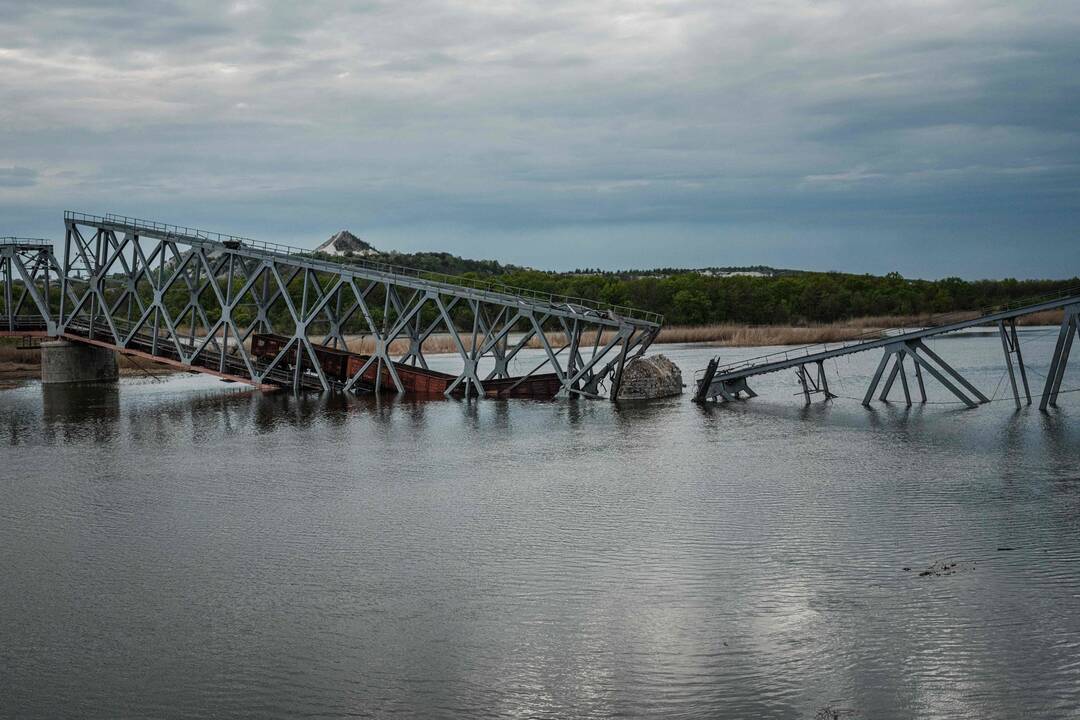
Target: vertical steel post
column 573, row 333
column 48, row 289
column 474, row 350
column 154, row 287
column 226, row 313
column 416, row 340
column 7, row 289
column 884, row 396
column 903, row 377
column 93, row 284
column 62, row 321
column 194, row 298
column 340, row 321
column 1062, row 349
column 298, row 369
column 1020, row 359
column 263, row 303
column 1065, row 358
column 877, row 377
column 380, row 339
column 801, row 372
column 132, row 280
column 616, row 383
column 597, row 339
column 919, row 380
column 823, row 380
column 1005, row 342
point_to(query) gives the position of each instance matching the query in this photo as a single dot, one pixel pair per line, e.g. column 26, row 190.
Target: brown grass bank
column 719, row 334
column 732, row 334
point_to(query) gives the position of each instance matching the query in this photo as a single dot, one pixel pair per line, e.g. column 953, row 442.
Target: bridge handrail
column 25, row 242
column 457, row 281
column 936, row 320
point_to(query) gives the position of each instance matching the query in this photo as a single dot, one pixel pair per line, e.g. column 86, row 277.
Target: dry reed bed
column 1046, row 317
column 720, row 334
column 761, row 335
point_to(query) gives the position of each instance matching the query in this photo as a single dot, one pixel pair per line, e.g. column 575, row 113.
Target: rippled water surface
column 184, row 549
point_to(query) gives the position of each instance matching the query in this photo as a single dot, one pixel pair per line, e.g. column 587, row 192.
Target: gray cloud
column 843, row 135
column 17, row 177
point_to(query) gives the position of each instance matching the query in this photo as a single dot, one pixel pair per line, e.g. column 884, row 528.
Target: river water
column 188, row 549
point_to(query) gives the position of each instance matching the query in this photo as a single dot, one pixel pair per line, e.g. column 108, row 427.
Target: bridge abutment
column 63, row 361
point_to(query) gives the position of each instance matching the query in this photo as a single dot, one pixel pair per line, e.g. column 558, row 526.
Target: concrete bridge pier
column 63, row 361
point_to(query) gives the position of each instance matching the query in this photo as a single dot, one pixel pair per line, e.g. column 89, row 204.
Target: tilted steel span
column 730, row 382
column 121, row 279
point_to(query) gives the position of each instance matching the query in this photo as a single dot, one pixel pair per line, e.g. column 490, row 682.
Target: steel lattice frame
column 120, row 277
column 727, row 383
column 29, row 275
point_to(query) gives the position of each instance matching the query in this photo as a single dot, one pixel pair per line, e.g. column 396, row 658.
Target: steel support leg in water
column 1010, row 344
column 811, row 384
column 720, row 381
column 897, row 369
column 801, row 373
column 823, row 380
column 1070, row 327
column 924, row 359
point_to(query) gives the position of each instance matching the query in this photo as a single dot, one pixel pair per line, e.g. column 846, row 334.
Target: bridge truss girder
column 197, row 303
column 29, row 274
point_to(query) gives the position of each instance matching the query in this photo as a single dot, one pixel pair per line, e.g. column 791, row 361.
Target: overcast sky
column 932, row 138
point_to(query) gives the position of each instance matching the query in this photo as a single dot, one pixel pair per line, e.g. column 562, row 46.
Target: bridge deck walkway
column 726, row 381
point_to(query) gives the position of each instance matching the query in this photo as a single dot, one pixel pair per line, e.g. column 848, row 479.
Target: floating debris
column 939, row 569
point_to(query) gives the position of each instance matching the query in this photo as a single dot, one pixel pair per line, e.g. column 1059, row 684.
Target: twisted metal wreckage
column 272, row 315
column 728, row 382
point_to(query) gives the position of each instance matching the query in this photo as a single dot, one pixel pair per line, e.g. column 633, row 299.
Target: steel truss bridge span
column 197, row 300
column 29, row 274
column 730, row 382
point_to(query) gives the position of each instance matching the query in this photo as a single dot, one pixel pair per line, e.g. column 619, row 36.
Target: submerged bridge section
column 272, row 315
column 731, row 382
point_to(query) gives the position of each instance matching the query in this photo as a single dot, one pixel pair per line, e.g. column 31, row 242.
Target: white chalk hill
column 345, row 244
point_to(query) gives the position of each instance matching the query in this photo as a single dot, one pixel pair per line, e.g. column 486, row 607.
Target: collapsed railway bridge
column 728, row 382
column 271, row 315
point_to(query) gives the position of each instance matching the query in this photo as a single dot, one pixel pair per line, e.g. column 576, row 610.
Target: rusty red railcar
column 334, row 362
column 341, row 366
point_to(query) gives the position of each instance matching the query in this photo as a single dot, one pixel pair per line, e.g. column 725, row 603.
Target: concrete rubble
column 646, row 378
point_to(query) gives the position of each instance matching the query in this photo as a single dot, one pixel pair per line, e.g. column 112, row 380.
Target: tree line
column 689, row 298
column 781, row 297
